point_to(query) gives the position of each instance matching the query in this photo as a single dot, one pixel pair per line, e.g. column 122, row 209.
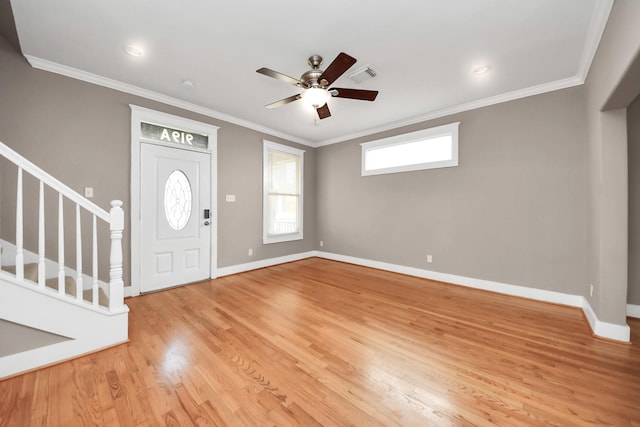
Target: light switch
column 230, row 198
column 88, row 192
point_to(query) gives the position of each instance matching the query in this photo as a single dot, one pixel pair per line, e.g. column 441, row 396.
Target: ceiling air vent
column 363, row 74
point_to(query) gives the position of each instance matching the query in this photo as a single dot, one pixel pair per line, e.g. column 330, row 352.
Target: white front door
column 175, row 193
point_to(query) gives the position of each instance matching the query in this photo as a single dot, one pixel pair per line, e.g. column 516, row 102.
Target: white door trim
column 141, row 114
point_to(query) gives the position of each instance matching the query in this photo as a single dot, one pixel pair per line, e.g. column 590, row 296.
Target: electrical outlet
column 429, row 258
column 250, row 252
column 321, row 243
column 591, row 290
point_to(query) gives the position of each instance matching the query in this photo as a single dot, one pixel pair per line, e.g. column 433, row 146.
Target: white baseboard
column 602, row 329
column 240, row 268
column 487, row 285
column 633, row 310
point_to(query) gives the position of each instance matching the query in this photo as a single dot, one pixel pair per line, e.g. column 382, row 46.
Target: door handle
column 206, row 223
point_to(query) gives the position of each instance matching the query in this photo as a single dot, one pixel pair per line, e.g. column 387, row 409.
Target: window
column 177, row 200
column 282, row 205
column 426, row 149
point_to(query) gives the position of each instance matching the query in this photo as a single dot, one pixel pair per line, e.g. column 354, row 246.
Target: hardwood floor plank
column 318, row 342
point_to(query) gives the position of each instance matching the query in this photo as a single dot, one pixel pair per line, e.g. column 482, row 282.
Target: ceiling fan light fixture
column 315, row 97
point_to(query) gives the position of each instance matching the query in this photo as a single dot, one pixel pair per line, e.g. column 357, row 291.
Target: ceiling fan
column 315, row 83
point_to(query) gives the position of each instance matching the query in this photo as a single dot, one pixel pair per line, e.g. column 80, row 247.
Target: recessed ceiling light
column 481, row 69
column 133, row 50
column 188, row 83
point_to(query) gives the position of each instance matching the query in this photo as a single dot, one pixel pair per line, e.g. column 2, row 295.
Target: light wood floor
column 317, row 342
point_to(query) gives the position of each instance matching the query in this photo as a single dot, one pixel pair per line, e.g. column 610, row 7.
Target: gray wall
column 240, row 173
column 612, row 69
column 18, row 338
column 513, row 211
column 633, row 123
column 538, row 200
column 80, row 133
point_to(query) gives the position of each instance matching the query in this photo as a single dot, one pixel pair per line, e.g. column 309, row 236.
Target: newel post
column 116, row 284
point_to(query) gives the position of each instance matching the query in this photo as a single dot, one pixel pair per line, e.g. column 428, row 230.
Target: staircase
column 70, row 286
column 51, row 297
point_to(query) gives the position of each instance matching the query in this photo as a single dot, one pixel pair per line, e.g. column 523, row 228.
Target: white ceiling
column 423, row 51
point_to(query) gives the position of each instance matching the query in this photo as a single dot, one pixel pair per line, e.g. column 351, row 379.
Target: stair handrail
column 115, row 219
column 53, row 182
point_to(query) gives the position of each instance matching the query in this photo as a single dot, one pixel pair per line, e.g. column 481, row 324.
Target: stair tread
column 31, row 273
column 70, row 289
column 69, row 284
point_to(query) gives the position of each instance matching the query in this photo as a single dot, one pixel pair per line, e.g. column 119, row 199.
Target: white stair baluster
column 41, row 255
column 95, row 298
column 19, row 248
column 79, row 287
column 116, row 284
column 61, row 286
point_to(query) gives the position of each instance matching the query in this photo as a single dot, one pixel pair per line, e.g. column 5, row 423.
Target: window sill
column 282, row 238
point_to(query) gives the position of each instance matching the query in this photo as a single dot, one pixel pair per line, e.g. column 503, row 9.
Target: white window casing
column 283, row 171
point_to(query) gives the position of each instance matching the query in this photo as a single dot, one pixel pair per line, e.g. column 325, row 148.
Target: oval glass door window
column 177, row 200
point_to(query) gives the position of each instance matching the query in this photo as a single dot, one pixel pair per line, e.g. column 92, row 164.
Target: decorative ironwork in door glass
column 177, row 200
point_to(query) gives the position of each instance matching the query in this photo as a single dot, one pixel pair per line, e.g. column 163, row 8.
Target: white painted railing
column 284, row 226
column 115, row 219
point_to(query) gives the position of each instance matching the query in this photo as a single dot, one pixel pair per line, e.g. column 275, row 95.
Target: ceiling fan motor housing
column 310, row 78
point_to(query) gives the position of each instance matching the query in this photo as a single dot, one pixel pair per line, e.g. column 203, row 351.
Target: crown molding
column 460, row 108
column 597, row 26
column 598, row 23
column 74, row 73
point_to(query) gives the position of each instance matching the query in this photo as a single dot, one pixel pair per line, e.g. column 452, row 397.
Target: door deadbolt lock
column 206, row 223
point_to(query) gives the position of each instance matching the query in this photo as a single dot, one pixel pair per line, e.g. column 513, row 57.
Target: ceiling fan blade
column 323, row 112
column 364, row 95
column 283, row 101
column 280, row 76
column 337, row 68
